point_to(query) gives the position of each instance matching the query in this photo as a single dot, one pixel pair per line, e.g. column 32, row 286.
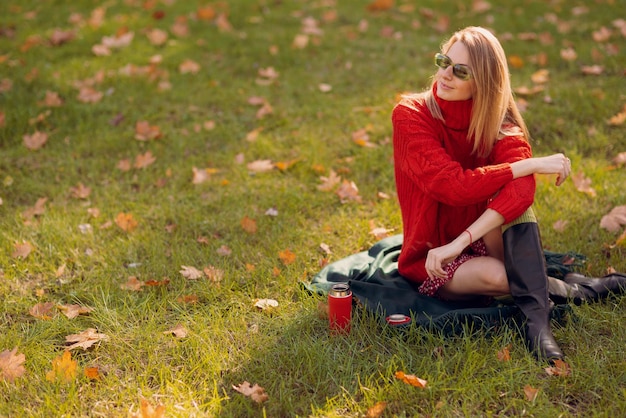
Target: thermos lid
column 340, row 290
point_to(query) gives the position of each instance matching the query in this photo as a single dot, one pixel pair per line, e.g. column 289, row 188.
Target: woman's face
column 450, row 87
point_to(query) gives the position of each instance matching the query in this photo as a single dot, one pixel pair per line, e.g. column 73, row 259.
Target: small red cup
column 340, row 308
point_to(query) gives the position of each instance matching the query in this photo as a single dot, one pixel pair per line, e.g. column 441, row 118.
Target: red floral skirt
column 431, row 286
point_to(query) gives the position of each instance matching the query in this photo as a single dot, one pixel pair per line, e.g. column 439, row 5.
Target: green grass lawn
column 140, row 139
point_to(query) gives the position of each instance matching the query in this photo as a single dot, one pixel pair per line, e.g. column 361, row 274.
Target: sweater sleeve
column 518, row 195
column 419, row 154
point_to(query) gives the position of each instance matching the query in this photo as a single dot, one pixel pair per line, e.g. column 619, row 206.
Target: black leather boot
column 579, row 289
column 528, row 282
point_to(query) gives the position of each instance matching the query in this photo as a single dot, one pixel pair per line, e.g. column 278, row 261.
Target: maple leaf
column 504, row 354
column 60, row 37
column 52, row 99
column 144, row 160
column 411, row 379
column 80, row 191
column 156, row 283
column 214, row 274
column 124, row 165
column 285, row 165
column 85, row 339
column 157, row 36
column 202, row 175
column 256, row 392
column 613, row 220
column 190, row 273
column 146, row 410
column 560, row 368
column 530, row 393
column 348, row 191
column 620, row 159
column 38, row 209
column 88, row 94
column 249, row 225
column 300, row 41
column 380, row 5
column 569, row 54
column 73, row 311
column 92, row 373
column 178, row 331
column 133, row 284
column 583, row 184
column 36, row 140
column 12, row 365
column 63, row 368
column 145, row 132
column 189, row 67
column 190, row 299
column 224, row 251
column 361, row 138
column 287, row 257
column 42, row 310
column 22, row 250
column 329, row 183
column 118, row 41
column 619, row 118
column 126, row 221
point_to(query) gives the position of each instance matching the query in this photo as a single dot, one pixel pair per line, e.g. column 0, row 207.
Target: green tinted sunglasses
column 460, row 71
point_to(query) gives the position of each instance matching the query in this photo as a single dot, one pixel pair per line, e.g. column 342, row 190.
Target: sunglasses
column 460, row 71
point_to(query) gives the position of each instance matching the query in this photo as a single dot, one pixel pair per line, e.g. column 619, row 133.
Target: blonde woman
column 464, row 169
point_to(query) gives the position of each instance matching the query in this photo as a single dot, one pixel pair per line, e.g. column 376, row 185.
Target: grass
column 368, row 58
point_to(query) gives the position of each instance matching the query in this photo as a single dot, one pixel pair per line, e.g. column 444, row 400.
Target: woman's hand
column 440, row 256
column 557, row 164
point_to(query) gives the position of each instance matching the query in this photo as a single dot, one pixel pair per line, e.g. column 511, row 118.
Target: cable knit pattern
column 442, row 187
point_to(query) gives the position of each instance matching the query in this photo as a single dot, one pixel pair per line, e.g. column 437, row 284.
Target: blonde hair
column 494, row 111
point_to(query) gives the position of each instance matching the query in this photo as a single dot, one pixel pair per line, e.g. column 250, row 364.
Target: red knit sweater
column 442, row 187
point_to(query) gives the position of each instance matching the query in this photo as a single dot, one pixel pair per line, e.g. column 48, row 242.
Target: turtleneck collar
column 456, row 114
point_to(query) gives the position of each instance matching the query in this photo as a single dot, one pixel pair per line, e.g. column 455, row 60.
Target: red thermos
column 340, row 308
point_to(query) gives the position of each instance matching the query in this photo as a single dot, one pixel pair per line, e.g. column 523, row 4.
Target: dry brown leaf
column 592, row 69
column 583, row 184
column 42, row 310
column 85, row 339
column 52, row 99
column 133, row 284
column 22, row 249
column 189, row 67
column 88, row 94
column 530, row 393
column 260, row 166
column 619, row 118
column 329, row 183
column 145, row 132
column 214, row 274
column 541, row 76
column 620, row 159
column 63, row 368
column 36, row 140
column 178, row 331
column 348, row 192
column 614, row 220
column 80, row 191
column 224, row 251
column 38, row 209
column 126, row 222
column 12, row 365
column 201, row 175
column 256, row 392
column 560, row 368
column 380, row 5
column 157, row 36
column 560, row 225
column 144, row 160
column 73, row 311
column 285, row 165
column 266, row 304
column 504, row 354
column 191, row 273
column 569, row 54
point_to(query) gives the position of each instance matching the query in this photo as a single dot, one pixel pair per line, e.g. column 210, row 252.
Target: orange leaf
column 560, row 368
column 148, row 411
column 22, row 250
column 376, row 410
column 144, row 160
column 411, row 379
column 287, row 257
column 132, row 284
column 92, row 373
column 156, row 283
column 348, row 191
column 38, row 209
column 189, row 67
column 145, row 132
column 126, row 221
column 11, row 365
column 35, row 141
column 214, row 274
column 42, row 310
column 81, row 191
column 504, row 354
column 380, row 5
column 63, row 368
column 249, row 225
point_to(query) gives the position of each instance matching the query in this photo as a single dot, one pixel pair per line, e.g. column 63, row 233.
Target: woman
column 464, row 168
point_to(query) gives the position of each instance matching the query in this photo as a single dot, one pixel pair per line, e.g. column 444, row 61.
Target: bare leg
column 480, row 276
column 493, row 242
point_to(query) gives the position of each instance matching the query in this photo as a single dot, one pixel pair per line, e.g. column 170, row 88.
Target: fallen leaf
column 178, row 331
column 52, row 99
column 560, row 225
column 36, row 140
column 190, row 299
column 256, row 392
column 260, row 166
column 133, row 284
column 73, row 311
column 265, row 304
column 156, row 283
column 63, row 368
column 583, row 184
column 191, row 273
column 200, row 175
column 249, row 225
column 613, row 220
column 530, row 393
column 157, row 36
column 560, row 368
column 224, row 251
column 569, row 54
column 126, row 221
column 144, row 160
column 85, row 339
column 146, row 410
column 88, row 94
column 189, row 67
column 411, row 379
column 619, row 118
column 348, row 192
column 22, row 250
column 38, row 209
column 287, row 257
column 329, row 183
column 377, row 410
column 80, row 191
column 12, row 365
column 92, row 373
column 214, row 274
column 380, row 5
column 145, row 132
column 504, row 354
column 42, row 310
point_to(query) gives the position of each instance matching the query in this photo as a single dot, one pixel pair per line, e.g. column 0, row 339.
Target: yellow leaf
column 63, row 368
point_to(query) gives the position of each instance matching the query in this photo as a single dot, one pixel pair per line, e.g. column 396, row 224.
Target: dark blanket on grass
column 378, row 287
